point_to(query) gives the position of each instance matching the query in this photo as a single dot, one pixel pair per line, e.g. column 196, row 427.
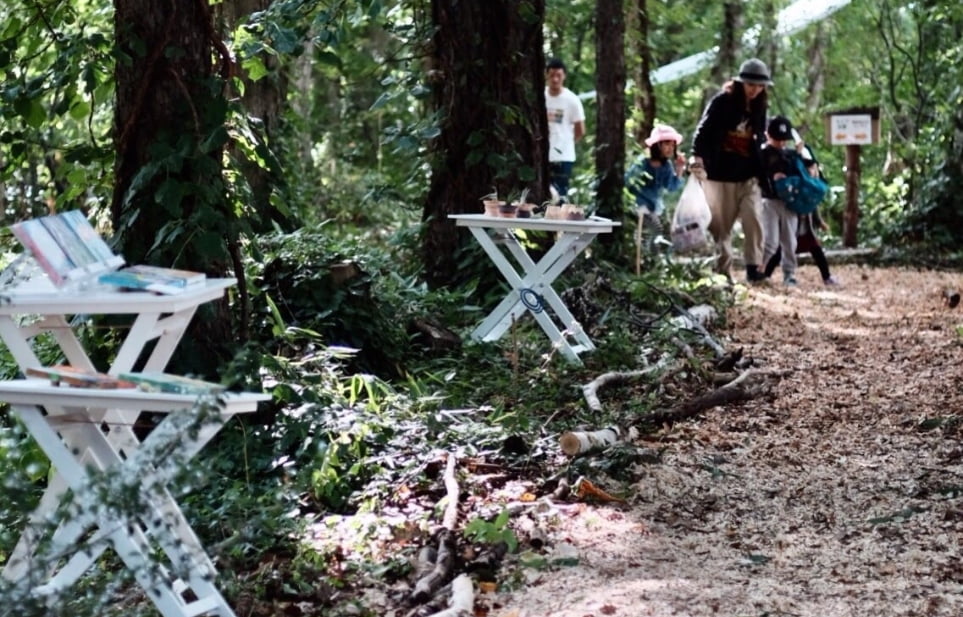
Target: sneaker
column 831, row 281
column 790, row 281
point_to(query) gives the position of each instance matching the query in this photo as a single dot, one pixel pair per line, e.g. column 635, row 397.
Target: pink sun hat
column 663, row 132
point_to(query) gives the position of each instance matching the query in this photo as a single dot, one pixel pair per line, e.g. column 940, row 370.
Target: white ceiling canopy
column 791, row 19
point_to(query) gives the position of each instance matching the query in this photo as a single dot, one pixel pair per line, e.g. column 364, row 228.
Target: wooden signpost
column 852, row 128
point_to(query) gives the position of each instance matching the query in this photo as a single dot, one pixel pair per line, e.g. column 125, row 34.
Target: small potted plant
column 525, row 209
column 553, row 210
column 492, row 204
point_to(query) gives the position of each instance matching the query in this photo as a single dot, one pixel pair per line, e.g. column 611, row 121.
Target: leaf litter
column 841, row 495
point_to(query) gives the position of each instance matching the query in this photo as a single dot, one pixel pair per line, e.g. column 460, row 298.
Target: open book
column 66, row 247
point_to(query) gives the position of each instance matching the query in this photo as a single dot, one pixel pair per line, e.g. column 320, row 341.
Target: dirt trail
column 840, row 496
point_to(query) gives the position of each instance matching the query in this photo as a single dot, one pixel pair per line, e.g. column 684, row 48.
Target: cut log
column 580, row 442
column 432, row 335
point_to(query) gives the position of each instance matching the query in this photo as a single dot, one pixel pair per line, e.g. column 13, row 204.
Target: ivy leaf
column 79, row 110
column 209, row 243
column 254, row 68
column 285, row 40
column 215, row 140
column 330, row 59
column 31, row 110
column 381, row 101
column 169, row 195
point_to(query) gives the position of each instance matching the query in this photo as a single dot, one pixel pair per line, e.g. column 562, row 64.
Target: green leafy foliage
column 492, row 532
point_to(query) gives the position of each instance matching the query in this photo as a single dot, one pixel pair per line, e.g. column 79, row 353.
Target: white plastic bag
column 691, row 218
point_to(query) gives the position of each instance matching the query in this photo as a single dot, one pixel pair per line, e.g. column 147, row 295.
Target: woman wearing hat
column 726, row 157
column 651, row 175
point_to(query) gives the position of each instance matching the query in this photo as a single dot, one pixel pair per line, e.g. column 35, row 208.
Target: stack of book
column 64, row 375
column 171, row 384
column 66, row 246
column 153, row 278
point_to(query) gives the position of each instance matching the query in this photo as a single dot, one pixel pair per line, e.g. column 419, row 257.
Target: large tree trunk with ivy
column 170, row 201
column 610, row 124
column 261, row 99
column 488, row 87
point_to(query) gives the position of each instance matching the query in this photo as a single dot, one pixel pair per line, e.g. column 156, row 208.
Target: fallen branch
column 450, row 518
column 732, row 392
column 694, row 319
column 462, row 598
column 428, row 584
column 590, row 390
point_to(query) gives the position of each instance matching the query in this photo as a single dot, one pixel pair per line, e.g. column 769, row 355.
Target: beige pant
column 727, row 202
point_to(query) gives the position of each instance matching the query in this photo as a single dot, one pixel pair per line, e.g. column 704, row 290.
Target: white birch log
column 579, row 442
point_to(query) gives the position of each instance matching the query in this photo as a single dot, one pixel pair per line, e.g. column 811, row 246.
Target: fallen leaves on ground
column 840, row 496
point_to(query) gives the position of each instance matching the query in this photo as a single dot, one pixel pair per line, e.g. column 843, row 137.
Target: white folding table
column 66, row 423
column 161, row 317
column 35, row 306
column 530, row 281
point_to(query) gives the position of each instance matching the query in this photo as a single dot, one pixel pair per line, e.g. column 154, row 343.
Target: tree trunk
column 816, row 67
column 610, row 123
column 170, row 202
column 261, row 100
column 729, row 49
column 488, row 82
column 768, row 47
column 645, row 100
column 851, row 213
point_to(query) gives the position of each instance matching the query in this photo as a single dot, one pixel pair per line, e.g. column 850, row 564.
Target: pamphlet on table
column 153, row 278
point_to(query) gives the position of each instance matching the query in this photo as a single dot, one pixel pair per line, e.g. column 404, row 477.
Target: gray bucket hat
column 754, row 71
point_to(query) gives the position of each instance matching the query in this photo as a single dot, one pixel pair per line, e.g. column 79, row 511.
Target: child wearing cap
column 780, row 224
column 652, row 174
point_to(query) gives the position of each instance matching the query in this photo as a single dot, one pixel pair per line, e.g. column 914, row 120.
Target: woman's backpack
column 801, row 192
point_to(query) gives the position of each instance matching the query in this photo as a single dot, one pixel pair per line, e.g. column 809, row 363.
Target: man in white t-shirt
column 566, row 125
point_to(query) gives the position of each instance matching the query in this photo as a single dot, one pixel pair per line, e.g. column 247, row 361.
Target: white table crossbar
column 89, row 438
column 531, row 281
column 65, row 422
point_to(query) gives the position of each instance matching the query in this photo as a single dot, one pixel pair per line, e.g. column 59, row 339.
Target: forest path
column 841, row 495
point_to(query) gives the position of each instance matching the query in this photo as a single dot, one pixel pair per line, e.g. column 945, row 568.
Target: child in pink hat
column 651, row 175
